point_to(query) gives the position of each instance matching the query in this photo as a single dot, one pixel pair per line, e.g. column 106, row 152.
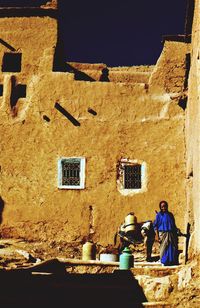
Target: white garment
column 145, row 228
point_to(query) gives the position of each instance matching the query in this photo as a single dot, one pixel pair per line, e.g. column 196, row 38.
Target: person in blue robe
column 167, row 233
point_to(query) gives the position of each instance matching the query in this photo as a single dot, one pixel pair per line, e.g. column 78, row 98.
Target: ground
column 17, row 253
column 190, row 295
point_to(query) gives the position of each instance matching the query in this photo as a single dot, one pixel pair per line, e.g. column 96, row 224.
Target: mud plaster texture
column 135, row 113
column 139, row 119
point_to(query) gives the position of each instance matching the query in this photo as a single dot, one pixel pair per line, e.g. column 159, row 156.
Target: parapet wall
column 100, row 72
column 21, row 36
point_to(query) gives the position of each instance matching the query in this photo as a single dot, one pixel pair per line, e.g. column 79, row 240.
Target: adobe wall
column 134, row 120
column 134, row 74
column 192, row 132
column 37, row 47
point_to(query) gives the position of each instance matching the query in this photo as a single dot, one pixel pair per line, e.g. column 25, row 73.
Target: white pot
column 108, row 257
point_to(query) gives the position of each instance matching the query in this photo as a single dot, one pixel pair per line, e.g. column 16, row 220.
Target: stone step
column 156, row 305
column 154, row 269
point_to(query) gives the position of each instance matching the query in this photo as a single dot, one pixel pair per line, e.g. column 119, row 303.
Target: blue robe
column 167, row 230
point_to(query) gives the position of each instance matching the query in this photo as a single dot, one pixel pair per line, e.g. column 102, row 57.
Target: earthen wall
column 192, row 133
column 142, row 119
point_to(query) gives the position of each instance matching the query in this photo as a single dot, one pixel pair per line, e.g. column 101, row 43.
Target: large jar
column 130, row 222
column 88, row 251
column 126, row 260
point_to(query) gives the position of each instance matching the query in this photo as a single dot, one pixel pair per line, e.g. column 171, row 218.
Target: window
column 131, row 176
column 11, row 62
column 71, row 173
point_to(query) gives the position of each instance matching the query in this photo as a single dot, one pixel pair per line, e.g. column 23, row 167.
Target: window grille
column 71, row 173
column 132, row 176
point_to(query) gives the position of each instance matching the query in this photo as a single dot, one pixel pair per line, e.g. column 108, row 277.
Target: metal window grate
column 132, row 177
column 71, row 173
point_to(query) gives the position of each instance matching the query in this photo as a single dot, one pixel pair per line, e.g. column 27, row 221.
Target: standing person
column 166, row 230
column 148, row 233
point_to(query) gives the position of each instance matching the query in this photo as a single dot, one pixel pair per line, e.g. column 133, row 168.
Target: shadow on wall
column 7, row 45
column 187, row 69
column 183, row 102
column 59, row 64
column 78, row 75
column 104, row 75
column 66, row 114
column 119, row 289
column 1, row 209
column 17, row 91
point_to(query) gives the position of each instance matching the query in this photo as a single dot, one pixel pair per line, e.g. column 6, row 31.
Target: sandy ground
column 17, row 253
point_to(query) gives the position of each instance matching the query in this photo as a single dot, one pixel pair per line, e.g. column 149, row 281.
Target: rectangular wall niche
column 11, row 62
column 71, row 173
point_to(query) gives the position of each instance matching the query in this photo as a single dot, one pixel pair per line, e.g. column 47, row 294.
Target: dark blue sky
column 120, row 32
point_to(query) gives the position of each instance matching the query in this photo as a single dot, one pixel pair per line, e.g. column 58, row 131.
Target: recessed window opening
column 11, row 62
column 71, row 173
column 131, row 176
column 1, row 90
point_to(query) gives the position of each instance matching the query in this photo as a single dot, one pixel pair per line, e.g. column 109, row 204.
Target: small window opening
column 1, row 90
column 11, row 62
column 132, row 177
column 71, row 173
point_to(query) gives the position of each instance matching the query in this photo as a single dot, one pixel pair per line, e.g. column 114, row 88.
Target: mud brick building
column 84, row 144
